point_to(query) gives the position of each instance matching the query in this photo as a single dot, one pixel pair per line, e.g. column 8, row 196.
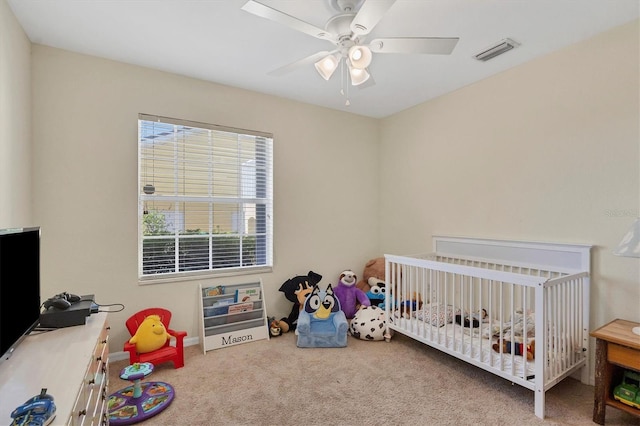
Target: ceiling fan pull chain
column 347, row 102
column 343, row 73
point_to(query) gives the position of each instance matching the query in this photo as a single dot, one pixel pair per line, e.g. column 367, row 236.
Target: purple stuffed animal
column 350, row 296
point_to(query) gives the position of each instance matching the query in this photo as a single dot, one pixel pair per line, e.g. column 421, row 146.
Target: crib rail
column 492, row 315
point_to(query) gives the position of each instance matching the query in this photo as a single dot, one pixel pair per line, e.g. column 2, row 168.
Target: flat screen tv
column 19, row 286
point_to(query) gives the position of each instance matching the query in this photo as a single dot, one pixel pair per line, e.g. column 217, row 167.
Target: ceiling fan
column 348, row 31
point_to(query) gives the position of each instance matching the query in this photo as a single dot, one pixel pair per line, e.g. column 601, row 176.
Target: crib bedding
column 470, row 343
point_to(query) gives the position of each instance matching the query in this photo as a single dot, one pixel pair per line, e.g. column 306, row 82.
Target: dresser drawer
column 623, row 356
column 90, row 404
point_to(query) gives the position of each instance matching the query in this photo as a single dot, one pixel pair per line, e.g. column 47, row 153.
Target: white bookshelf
column 221, row 326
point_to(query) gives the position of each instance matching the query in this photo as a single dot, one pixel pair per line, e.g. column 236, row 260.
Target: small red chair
column 168, row 352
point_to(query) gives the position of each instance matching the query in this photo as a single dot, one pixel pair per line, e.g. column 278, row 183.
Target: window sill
column 192, row 276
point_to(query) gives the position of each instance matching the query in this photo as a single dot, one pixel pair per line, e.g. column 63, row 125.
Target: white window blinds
column 205, row 197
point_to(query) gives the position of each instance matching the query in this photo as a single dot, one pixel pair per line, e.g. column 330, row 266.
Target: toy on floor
column 369, row 323
column 37, row 411
column 139, row 401
column 296, row 290
column 150, row 336
column 322, row 323
column 351, row 297
column 504, row 346
column 277, row 327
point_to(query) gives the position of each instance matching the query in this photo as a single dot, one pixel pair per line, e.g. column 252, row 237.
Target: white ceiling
column 219, row 42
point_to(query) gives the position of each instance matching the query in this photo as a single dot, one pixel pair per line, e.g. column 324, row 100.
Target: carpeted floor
column 272, row 382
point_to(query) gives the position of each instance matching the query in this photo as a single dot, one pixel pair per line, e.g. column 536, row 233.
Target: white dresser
column 71, row 363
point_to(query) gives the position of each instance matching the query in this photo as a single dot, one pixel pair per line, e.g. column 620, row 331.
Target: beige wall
column 548, row 151
column 15, row 122
column 85, row 113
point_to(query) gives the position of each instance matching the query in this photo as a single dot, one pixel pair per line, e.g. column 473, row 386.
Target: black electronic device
column 62, row 300
column 19, row 286
column 56, row 302
column 72, row 297
column 74, row 314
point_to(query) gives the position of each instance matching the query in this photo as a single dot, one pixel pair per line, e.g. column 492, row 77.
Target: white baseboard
column 119, row 356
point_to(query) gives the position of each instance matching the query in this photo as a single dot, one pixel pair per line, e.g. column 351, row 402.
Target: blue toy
column 321, row 323
column 377, row 292
column 37, row 411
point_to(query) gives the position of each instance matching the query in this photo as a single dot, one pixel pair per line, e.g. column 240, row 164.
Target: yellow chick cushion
column 151, row 335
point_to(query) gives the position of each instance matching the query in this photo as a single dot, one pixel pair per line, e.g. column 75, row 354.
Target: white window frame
column 251, row 195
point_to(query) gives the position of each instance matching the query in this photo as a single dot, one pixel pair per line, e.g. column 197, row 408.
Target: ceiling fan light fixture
column 327, row 66
column 358, row 76
column 360, row 56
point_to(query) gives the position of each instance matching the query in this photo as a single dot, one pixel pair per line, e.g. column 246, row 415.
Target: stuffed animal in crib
column 374, row 268
column 411, row 305
column 296, row 290
column 473, row 320
column 504, row 346
column 369, row 323
column 150, row 335
column 350, row 296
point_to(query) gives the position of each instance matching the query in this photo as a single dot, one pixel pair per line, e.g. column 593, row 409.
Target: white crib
column 531, row 292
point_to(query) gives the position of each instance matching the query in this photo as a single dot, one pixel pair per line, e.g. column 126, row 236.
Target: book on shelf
column 240, row 307
column 214, row 291
column 248, row 294
column 220, row 307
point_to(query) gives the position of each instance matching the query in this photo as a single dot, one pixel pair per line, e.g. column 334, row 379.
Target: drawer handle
column 82, row 413
column 99, row 358
column 104, row 341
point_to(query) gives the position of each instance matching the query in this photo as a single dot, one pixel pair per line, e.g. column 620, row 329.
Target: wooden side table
column 617, row 349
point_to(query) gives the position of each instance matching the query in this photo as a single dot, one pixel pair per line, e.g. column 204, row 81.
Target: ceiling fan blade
column 272, row 14
column 311, row 59
column 431, row 45
column 370, row 13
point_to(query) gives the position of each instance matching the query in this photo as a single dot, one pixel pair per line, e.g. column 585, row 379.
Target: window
column 205, row 198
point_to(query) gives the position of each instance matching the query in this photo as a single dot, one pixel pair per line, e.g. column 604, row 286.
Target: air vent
column 498, row 49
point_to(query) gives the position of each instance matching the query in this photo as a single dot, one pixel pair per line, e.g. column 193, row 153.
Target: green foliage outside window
column 193, row 253
column 155, row 223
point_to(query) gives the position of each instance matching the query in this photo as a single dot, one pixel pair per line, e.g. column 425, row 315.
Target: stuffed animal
column 276, row 328
column 296, row 290
column 411, row 305
column 350, row 296
column 473, row 320
column 369, row 323
column 374, row 268
column 518, row 348
column 150, row 335
column 377, row 292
